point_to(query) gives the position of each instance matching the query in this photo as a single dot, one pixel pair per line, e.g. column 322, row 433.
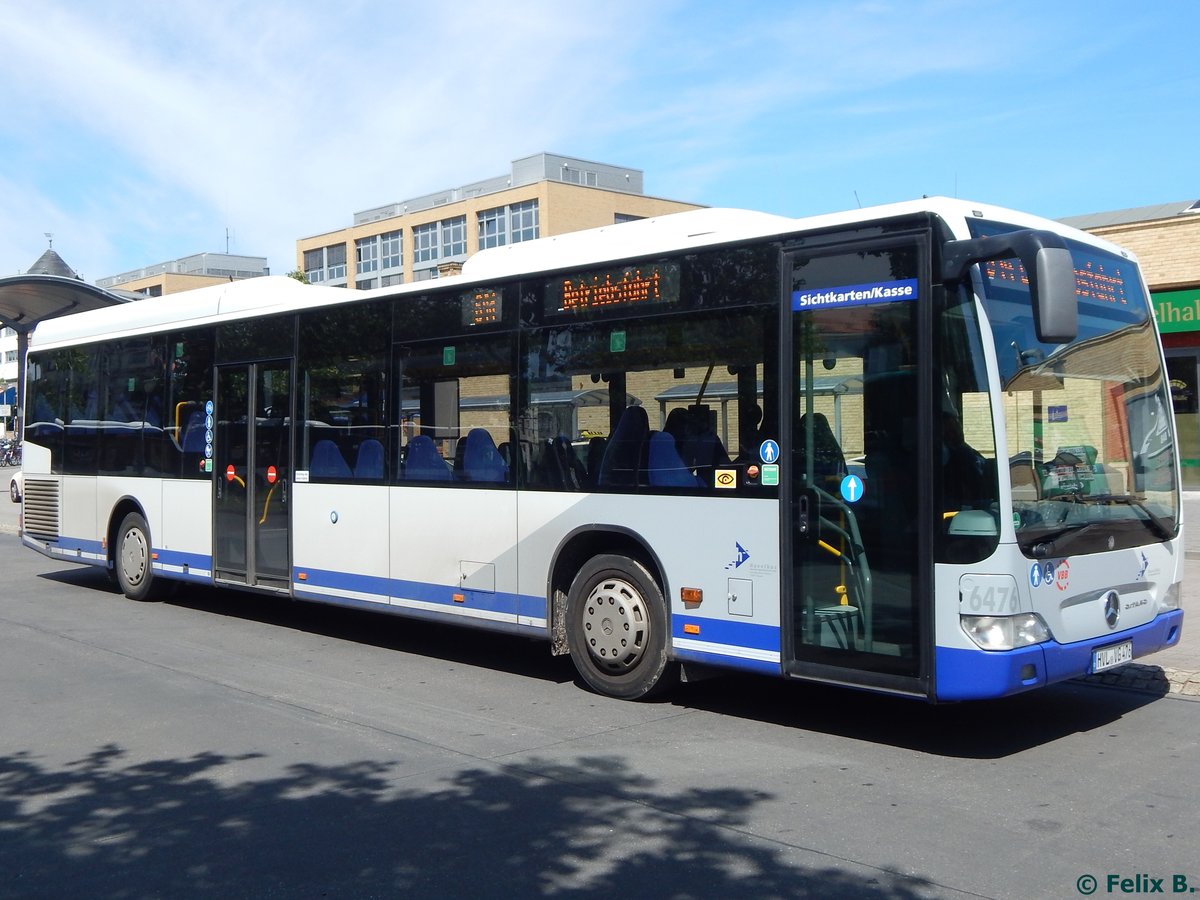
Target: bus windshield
column 1090, row 447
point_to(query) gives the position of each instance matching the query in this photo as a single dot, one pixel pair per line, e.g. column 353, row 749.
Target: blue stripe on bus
column 183, row 565
column 723, row 631
column 374, row 586
column 983, row 674
column 728, row 660
column 78, row 545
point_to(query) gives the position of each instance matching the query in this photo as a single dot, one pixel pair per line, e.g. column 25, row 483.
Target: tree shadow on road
column 113, row 827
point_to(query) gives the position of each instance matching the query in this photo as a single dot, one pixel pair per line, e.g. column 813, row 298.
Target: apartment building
column 188, row 272
column 412, row 240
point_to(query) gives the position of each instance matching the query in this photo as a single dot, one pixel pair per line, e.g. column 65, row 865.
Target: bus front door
column 252, row 454
column 855, row 605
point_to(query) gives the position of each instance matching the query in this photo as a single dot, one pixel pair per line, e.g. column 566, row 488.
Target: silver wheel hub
column 134, row 556
column 616, row 625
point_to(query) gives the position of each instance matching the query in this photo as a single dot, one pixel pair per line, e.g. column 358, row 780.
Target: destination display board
column 613, row 290
column 481, row 306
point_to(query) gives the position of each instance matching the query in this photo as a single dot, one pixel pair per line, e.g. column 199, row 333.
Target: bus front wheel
column 132, row 560
column 617, row 627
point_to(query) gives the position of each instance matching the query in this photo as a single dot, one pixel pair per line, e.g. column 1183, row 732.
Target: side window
column 81, row 384
column 342, row 379
column 48, row 380
column 674, row 403
column 455, row 411
column 129, row 420
column 189, row 383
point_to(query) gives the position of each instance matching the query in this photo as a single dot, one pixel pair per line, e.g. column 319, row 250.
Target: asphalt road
column 233, row 745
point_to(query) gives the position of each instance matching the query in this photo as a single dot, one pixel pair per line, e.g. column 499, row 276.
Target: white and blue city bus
column 925, row 449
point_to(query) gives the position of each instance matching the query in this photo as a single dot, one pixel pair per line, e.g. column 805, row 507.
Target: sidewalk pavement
column 1174, row 671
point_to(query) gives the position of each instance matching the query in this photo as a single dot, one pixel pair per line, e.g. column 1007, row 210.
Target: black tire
column 13, row 493
column 132, row 561
column 617, row 629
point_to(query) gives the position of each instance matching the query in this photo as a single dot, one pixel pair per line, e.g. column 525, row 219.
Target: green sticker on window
column 447, row 356
column 616, row 342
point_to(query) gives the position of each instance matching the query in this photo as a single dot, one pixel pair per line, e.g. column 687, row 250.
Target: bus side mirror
column 1048, row 265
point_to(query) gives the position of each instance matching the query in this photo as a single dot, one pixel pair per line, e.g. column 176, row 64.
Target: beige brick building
column 187, row 273
column 1166, row 239
column 541, row 196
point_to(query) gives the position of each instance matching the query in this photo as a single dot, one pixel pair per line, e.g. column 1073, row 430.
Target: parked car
column 16, row 487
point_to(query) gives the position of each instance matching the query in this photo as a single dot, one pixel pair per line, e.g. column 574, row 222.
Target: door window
column 855, row 464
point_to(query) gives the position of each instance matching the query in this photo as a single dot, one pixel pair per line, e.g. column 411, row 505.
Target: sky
column 140, row 132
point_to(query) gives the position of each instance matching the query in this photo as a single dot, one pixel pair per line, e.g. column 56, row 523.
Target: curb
column 1146, row 679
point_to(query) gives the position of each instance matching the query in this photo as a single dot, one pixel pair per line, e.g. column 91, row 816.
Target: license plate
column 1108, row 657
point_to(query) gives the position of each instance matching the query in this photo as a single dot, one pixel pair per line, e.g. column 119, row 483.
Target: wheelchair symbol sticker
column 852, row 488
column 768, row 451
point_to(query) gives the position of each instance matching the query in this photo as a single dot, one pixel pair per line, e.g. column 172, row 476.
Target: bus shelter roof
column 26, row 300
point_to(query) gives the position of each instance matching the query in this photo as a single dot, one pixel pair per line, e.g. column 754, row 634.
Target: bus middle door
column 252, row 454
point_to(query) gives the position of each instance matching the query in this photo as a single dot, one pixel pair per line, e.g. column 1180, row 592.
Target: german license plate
column 1108, row 657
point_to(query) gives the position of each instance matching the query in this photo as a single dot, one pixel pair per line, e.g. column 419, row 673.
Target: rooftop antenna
column 50, row 238
column 856, row 200
column 226, row 240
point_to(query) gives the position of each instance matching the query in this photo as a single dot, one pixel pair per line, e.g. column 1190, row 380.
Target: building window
column 366, row 255
column 335, row 262
column 366, row 284
column 391, row 280
column 314, row 265
column 425, row 242
column 392, row 249
column 425, row 274
column 454, row 236
column 524, row 221
column 619, row 218
column 579, row 176
column 492, row 227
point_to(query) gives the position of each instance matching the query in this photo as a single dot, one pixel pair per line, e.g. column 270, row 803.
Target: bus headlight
column 1005, row 632
column 1173, row 598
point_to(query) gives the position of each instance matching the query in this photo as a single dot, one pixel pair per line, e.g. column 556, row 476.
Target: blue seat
column 327, row 461
column 666, row 467
column 481, row 460
column 369, row 464
column 422, row 462
column 623, row 452
column 194, row 433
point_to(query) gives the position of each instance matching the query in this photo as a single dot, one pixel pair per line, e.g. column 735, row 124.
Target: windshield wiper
column 1051, row 542
column 1154, row 522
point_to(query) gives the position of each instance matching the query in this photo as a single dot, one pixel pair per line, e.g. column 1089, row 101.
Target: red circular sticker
column 1062, row 575
column 272, row 475
column 230, row 473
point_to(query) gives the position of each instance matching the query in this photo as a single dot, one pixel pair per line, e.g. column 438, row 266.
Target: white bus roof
column 694, row 229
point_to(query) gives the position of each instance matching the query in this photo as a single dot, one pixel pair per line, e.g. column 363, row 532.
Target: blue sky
column 139, row 132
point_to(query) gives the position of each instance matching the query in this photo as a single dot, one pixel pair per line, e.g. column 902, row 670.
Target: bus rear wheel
column 617, row 628
column 132, row 559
